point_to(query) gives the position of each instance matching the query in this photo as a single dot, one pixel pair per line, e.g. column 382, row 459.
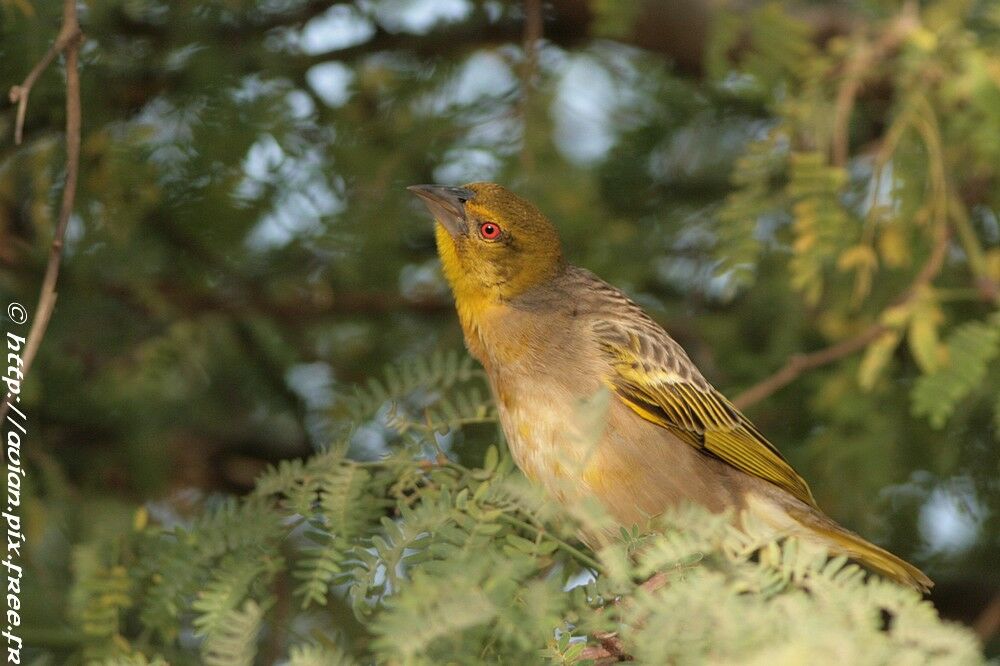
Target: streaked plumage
column 552, row 337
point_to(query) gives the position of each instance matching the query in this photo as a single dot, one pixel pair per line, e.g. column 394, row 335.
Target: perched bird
column 551, row 336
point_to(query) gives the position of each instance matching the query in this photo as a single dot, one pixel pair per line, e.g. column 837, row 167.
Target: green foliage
column 234, row 641
column 133, row 660
column 100, row 596
column 445, row 563
column 315, row 655
column 410, row 387
column 217, row 605
column 971, row 348
column 865, row 235
column 338, row 520
column 780, row 50
column 821, row 226
column 753, row 200
column 243, row 249
column 201, row 560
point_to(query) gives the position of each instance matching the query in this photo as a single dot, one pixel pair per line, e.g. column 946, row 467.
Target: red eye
column 489, row 230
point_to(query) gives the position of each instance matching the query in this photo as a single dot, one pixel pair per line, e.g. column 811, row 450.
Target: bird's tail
column 842, row 541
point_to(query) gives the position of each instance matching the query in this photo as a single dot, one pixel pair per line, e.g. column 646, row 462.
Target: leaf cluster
column 407, row 560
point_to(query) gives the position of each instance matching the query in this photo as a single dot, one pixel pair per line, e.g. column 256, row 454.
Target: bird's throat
column 471, row 301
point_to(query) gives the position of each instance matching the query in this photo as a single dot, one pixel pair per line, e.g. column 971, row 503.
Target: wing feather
column 654, row 377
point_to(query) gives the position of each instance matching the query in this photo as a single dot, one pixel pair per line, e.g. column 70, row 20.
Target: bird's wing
column 653, row 375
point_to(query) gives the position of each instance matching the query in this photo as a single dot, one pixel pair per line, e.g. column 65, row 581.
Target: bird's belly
column 596, row 446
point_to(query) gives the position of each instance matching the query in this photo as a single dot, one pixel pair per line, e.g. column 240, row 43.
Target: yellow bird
column 552, row 336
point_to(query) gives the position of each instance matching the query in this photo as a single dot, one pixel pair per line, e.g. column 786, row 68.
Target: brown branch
column 858, row 69
column 532, row 35
column 303, row 310
column 610, row 648
column 608, row 651
column 987, row 624
column 800, row 363
column 69, row 40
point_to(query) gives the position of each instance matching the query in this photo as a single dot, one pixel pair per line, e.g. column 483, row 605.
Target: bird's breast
column 550, row 429
column 547, row 381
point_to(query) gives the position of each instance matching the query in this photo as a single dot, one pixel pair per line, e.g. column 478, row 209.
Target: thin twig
column 69, row 35
column 986, row 285
column 69, row 40
column 532, row 35
column 609, row 650
column 800, row 363
column 858, row 69
column 581, row 557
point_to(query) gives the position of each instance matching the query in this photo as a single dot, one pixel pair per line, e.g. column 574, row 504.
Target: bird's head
column 493, row 244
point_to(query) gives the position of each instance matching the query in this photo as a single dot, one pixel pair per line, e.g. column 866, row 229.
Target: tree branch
column 532, row 35
column 610, row 648
column 69, row 36
column 68, row 42
column 304, row 309
column 861, row 66
column 987, row 624
column 443, row 42
column 800, row 363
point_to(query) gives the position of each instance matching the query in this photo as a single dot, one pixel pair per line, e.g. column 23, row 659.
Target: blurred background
column 766, row 179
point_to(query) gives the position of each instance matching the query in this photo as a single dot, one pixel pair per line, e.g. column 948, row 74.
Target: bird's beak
column 446, row 204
